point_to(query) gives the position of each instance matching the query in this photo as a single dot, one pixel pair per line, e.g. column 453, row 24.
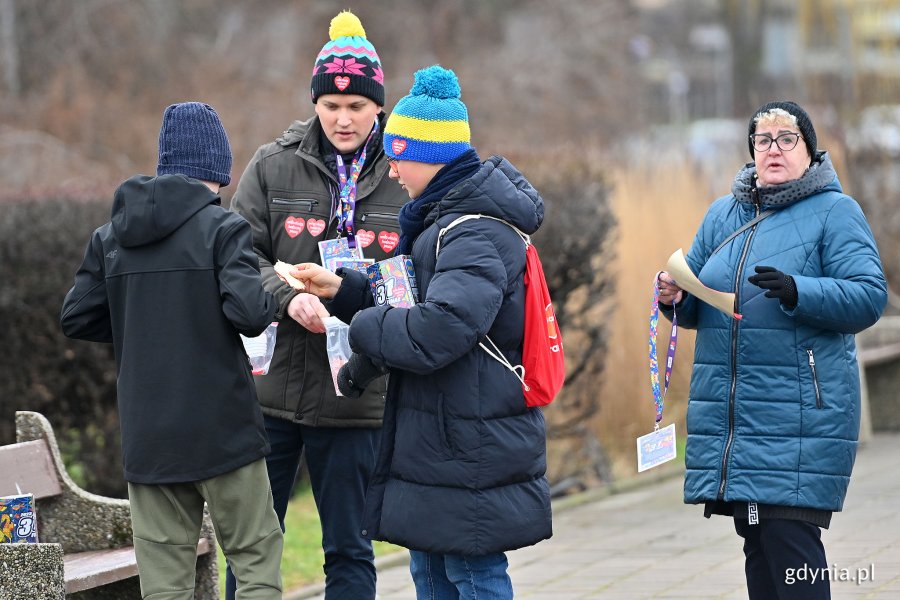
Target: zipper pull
column 754, row 193
column 812, row 361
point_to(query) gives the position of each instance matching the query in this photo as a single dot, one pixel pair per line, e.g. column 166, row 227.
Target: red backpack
column 543, row 369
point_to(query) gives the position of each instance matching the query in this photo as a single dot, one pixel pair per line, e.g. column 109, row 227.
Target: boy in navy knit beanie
column 193, row 142
column 171, row 281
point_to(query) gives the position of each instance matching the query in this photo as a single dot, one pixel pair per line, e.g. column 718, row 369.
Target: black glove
column 357, row 374
column 778, row 284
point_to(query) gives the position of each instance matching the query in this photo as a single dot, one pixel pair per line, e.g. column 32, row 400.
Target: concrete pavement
column 646, row 544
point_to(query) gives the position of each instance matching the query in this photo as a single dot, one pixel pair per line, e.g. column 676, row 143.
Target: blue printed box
column 393, row 282
column 18, row 524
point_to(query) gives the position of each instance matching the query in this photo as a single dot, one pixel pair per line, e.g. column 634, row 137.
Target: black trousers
column 785, row 560
column 340, row 462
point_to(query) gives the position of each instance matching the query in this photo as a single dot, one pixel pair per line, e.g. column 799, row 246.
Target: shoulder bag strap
column 744, row 228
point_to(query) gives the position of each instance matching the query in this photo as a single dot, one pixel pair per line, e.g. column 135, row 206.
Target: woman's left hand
column 669, row 292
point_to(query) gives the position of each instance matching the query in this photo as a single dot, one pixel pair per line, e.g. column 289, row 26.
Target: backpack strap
column 518, row 370
column 525, row 237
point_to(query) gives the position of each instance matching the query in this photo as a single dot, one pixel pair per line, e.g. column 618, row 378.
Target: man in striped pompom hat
column 324, row 178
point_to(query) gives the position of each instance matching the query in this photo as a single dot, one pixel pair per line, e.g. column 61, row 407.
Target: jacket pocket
column 388, row 219
column 378, row 231
column 306, row 204
column 442, row 425
column 811, row 360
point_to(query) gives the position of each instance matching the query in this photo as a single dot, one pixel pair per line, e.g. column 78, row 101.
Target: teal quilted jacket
column 774, row 403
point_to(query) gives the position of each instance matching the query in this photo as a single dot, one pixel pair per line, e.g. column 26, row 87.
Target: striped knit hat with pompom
column 431, row 124
column 348, row 64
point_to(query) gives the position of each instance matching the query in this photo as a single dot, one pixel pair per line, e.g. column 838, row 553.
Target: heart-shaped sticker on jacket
column 315, row 226
column 388, row 240
column 342, row 82
column 365, row 237
column 398, row 145
column 294, row 226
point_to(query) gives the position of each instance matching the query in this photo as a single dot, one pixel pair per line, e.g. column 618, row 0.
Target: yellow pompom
column 346, row 24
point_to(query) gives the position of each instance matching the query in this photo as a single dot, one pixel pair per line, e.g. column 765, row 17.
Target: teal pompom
column 437, row 82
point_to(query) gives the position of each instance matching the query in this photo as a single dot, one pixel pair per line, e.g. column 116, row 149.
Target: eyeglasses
column 785, row 142
column 392, row 163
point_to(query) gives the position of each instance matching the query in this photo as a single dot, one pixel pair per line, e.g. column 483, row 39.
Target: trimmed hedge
column 72, row 383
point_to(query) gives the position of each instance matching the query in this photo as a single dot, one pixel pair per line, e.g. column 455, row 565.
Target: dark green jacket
column 286, row 195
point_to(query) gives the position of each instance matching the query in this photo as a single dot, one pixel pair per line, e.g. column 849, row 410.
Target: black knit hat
column 348, row 64
column 193, row 142
column 803, row 124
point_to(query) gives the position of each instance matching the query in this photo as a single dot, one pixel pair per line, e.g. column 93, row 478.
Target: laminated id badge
column 656, row 448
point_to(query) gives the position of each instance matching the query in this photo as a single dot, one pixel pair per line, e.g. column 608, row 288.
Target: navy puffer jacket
column 774, row 403
column 462, row 461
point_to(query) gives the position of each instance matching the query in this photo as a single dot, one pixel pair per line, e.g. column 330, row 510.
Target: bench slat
column 30, row 465
column 86, row 570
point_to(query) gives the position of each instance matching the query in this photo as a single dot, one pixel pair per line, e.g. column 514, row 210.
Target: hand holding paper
column 669, row 292
column 678, row 268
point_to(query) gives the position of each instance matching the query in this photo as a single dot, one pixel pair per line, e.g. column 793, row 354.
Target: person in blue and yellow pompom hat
column 460, row 477
column 428, row 129
column 431, row 124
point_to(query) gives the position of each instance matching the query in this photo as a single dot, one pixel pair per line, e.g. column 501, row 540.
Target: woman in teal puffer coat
column 773, row 417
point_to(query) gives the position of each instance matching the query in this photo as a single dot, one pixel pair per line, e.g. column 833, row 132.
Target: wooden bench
column 86, row 547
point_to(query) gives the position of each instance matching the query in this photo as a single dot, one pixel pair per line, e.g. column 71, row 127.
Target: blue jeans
column 340, row 462
column 775, row 551
column 456, row 577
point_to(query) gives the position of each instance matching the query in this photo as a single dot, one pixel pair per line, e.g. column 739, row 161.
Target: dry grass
column 659, row 207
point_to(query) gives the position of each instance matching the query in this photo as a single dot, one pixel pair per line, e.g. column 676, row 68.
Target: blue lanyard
column 346, row 205
column 659, row 396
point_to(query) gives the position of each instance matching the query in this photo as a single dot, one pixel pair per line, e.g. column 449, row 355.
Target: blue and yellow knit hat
column 348, row 64
column 431, row 124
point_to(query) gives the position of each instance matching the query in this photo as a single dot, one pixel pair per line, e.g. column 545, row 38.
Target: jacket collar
column 308, row 137
column 817, row 178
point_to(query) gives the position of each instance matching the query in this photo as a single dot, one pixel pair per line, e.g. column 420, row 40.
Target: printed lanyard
column 659, row 397
column 346, row 205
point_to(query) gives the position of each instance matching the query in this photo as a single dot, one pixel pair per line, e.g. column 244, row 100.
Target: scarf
column 412, row 215
column 819, row 175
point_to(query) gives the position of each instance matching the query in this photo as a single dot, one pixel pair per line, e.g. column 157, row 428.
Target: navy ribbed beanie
column 193, row 142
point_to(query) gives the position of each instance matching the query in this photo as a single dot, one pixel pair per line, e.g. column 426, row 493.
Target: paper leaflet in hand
column 679, row 270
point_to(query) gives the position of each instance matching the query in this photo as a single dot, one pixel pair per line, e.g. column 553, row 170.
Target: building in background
column 705, row 59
